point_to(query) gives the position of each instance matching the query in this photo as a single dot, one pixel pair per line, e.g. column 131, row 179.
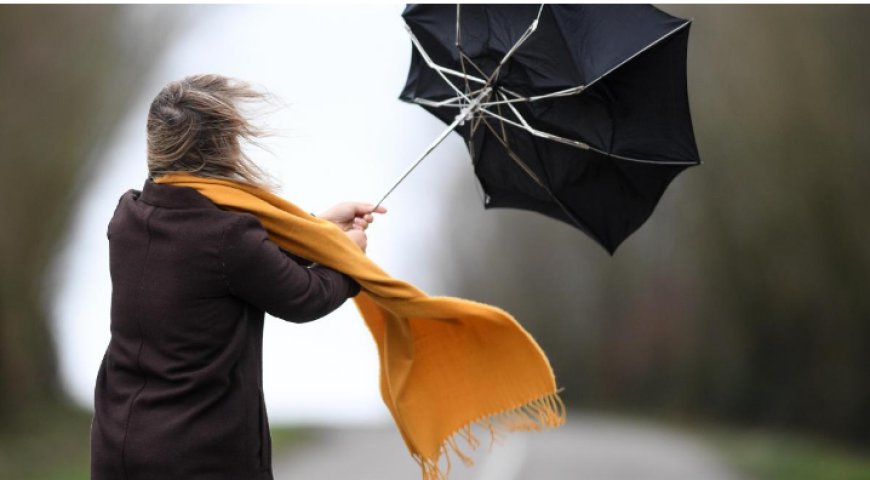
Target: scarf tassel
column 539, row 414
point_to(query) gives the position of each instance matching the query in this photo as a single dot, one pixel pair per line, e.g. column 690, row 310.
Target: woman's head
column 195, row 126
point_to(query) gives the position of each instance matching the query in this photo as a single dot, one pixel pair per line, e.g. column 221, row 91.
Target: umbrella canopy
column 579, row 112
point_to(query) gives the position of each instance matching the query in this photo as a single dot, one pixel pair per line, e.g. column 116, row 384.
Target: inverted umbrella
column 579, row 112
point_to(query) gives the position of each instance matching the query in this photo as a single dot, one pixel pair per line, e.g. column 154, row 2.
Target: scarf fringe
column 542, row 413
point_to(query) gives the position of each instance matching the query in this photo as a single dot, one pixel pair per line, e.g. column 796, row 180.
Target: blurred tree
column 745, row 295
column 66, row 75
column 782, row 255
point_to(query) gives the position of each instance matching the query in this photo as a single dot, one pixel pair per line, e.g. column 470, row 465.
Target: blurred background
column 728, row 338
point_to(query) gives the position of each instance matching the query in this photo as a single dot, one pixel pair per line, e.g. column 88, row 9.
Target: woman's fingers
column 365, row 214
column 352, row 215
column 368, row 208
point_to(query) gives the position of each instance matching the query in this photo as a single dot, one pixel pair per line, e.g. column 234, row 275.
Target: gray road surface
column 586, row 448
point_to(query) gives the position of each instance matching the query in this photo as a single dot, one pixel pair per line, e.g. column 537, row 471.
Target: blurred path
column 587, row 448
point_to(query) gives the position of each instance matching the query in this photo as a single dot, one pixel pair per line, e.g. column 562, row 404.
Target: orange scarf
column 445, row 363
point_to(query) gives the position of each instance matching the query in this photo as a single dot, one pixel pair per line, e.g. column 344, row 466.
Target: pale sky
column 344, row 136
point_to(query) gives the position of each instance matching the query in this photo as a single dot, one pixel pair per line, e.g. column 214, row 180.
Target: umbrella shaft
column 461, row 117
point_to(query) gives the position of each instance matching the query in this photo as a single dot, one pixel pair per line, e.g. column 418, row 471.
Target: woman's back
column 179, row 393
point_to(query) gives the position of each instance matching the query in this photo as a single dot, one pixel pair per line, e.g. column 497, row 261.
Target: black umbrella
column 579, row 112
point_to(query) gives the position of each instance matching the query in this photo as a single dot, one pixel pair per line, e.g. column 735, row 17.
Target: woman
column 179, row 393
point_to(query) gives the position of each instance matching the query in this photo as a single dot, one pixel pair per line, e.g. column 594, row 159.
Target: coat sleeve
column 260, row 273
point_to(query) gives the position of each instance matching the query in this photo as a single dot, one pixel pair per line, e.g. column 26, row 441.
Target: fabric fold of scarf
column 445, row 363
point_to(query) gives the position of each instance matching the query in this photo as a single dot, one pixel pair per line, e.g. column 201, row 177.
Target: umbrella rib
column 447, row 102
column 443, row 71
column 580, row 88
column 525, row 168
column 503, row 129
column 525, row 126
column 464, row 98
column 459, row 48
column 469, row 60
column 516, row 158
column 475, row 124
column 468, row 142
column 640, row 160
column 450, row 102
column 642, row 50
column 525, row 36
column 458, row 9
column 463, row 57
column 575, row 143
column 522, row 99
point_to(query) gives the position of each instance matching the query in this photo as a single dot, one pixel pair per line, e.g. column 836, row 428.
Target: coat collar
column 172, row 196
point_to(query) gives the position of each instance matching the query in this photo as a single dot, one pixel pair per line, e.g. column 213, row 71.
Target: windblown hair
column 195, row 126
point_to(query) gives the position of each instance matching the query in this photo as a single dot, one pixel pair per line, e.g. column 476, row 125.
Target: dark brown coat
column 179, row 393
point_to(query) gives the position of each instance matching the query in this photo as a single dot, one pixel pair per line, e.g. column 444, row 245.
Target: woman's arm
column 258, row 272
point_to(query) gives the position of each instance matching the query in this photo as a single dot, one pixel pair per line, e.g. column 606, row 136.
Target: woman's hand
column 352, row 215
column 359, row 238
column 354, row 218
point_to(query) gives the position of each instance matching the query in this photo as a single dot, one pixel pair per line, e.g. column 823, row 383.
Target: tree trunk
column 66, row 76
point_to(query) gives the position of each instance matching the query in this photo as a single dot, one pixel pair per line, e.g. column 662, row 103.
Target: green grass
column 285, row 438
column 56, row 445
column 762, row 455
column 53, row 446
column 767, row 454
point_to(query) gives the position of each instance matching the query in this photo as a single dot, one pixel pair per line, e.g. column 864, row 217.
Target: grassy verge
column 53, row 446
column 765, row 455
column 285, row 438
column 56, row 445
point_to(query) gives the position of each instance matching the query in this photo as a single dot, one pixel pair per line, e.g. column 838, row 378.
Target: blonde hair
column 195, row 126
